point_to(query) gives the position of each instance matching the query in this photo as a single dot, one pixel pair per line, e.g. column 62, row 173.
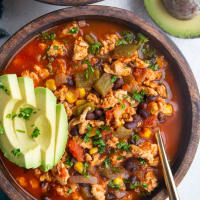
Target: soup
column 118, row 91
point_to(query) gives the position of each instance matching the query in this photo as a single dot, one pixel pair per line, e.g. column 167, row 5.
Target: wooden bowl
column 69, row 2
column 181, row 70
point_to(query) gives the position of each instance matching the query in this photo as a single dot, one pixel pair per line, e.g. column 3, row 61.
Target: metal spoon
column 169, row 180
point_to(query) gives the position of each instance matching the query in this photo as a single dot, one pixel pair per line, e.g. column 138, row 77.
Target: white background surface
column 19, row 12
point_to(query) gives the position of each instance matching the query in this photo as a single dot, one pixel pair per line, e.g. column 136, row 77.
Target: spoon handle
column 169, row 180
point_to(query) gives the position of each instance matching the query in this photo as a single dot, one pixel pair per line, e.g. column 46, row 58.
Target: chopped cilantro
column 142, row 38
column 94, row 48
column 116, row 169
column 135, row 138
column 20, row 131
column 128, row 36
column 100, row 144
column 69, row 191
column 134, row 185
column 69, row 161
column 125, row 96
column 85, row 166
column 104, row 127
column 119, row 158
column 142, row 161
column 48, row 36
column 25, row 113
column 119, row 42
column 154, row 67
column 74, row 30
column 3, row 87
column 87, row 136
column 16, row 152
column 113, row 185
column 86, row 74
column 2, row 131
column 123, row 146
column 55, row 47
column 139, row 96
column 113, row 79
column 36, row 133
column 90, row 68
column 122, row 104
column 107, row 162
column 144, row 185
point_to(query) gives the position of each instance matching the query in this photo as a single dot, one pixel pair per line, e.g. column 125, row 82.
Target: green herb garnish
column 25, row 113
column 144, row 185
column 36, row 133
column 94, row 48
column 119, row 158
column 87, row 136
column 142, row 38
column 2, row 131
column 119, row 42
column 135, row 138
column 123, row 146
column 154, row 67
column 90, row 68
column 139, row 96
column 113, row 79
column 100, row 144
column 107, row 162
column 134, row 185
column 85, row 166
column 128, row 36
column 69, row 161
column 55, row 47
column 142, row 161
column 113, row 185
column 16, row 152
column 4, row 88
column 48, row 36
column 74, row 30
column 69, row 191
column 122, row 104
column 104, row 127
column 20, row 131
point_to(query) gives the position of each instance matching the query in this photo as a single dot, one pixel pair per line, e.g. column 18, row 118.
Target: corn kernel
column 82, row 93
column 80, row 102
column 118, row 181
column 34, row 183
column 51, row 84
column 145, row 133
column 22, row 181
column 153, row 107
column 167, row 109
column 93, row 132
column 94, row 150
column 79, row 167
column 71, row 97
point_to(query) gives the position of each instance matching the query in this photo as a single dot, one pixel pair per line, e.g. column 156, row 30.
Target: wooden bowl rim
column 69, row 2
column 13, row 190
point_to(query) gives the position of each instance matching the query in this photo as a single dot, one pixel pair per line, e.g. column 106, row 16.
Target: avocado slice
column 179, row 28
column 46, row 123
column 61, row 132
column 9, row 142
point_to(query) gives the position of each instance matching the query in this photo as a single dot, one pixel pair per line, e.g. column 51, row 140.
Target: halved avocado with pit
column 179, row 28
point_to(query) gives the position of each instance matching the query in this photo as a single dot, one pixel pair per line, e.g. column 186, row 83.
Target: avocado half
column 179, row 28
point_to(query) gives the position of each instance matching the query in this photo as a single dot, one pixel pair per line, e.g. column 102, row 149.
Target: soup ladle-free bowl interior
column 184, row 78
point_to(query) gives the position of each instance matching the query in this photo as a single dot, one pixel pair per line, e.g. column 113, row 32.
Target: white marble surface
column 19, row 12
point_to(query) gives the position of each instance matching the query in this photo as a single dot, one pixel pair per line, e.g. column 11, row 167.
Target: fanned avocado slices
column 179, row 28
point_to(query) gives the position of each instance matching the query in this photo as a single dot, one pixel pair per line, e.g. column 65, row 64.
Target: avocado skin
column 171, row 25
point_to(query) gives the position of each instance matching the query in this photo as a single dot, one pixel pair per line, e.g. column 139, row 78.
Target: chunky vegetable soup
column 117, row 91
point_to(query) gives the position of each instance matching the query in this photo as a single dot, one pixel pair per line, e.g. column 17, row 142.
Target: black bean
column 161, row 117
column 136, row 118
column 151, row 98
column 90, row 116
column 110, row 195
column 130, row 165
column 74, row 131
column 144, row 113
column 118, row 84
column 70, row 81
column 99, row 113
column 130, row 125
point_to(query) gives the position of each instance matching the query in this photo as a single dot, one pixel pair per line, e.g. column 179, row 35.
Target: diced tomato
column 109, row 114
column 150, row 122
column 76, row 150
column 105, row 133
